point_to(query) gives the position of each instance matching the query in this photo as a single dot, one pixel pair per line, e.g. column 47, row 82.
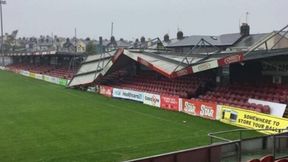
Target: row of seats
column 191, row 86
column 272, row 92
column 61, row 72
column 40, row 69
column 237, row 94
column 268, row 158
column 115, row 76
column 236, row 102
column 185, row 87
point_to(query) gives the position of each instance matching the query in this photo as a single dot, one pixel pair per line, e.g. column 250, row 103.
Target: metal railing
column 229, row 150
column 238, row 142
column 240, row 131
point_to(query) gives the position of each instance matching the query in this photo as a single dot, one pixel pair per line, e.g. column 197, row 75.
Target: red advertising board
column 231, row 59
column 106, row 91
column 182, row 72
column 199, row 108
column 169, row 102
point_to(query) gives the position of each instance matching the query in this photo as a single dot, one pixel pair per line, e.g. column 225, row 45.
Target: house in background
column 80, row 46
column 274, row 40
column 207, row 43
column 108, row 45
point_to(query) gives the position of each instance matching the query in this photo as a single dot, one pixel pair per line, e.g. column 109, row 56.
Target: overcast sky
column 135, row 18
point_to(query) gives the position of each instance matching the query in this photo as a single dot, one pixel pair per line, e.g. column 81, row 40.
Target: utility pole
column 72, row 65
column 112, row 28
column 247, row 14
column 2, row 2
column 75, row 35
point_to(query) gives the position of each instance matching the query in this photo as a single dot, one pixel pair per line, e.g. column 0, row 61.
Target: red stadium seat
column 282, row 160
column 254, row 160
column 268, row 158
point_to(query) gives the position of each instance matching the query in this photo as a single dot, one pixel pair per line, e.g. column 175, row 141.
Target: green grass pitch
column 40, row 121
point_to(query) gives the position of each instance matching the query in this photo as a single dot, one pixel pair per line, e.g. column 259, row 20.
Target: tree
column 90, row 48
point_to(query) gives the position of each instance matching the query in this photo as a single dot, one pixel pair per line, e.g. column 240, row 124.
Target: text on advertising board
column 151, row 99
column 200, row 108
column 170, row 102
column 254, row 120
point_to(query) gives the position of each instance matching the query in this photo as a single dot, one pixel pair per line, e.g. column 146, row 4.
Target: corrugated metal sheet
column 93, row 63
column 82, row 79
column 98, row 56
column 92, row 66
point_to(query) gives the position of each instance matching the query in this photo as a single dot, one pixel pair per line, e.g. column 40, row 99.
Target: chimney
column 112, row 39
column 101, row 41
column 142, row 40
column 245, row 29
column 180, row 35
column 166, row 38
column 136, row 43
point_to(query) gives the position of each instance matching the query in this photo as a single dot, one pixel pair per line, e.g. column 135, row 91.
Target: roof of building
column 123, row 44
column 171, row 41
column 222, row 40
column 250, row 40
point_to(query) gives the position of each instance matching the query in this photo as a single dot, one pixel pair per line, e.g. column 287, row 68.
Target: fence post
column 211, row 140
column 274, row 146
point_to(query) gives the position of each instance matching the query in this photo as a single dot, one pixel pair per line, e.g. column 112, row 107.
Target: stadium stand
column 32, row 68
column 192, row 86
column 238, row 95
column 57, row 71
column 268, row 158
column 148, row 81
column 62, row 72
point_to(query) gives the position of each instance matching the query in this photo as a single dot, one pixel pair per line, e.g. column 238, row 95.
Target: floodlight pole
column 2, row 33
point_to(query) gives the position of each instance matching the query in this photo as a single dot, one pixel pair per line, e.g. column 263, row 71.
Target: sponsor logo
column 169, row 100
column 232, row 59
column 170, row 103
column 131, row 95
column 206, row 111
column 107, row 91
column 204, row 66
column 154, row 100
column 118, row 93
column 189, row 108
column 182, row 72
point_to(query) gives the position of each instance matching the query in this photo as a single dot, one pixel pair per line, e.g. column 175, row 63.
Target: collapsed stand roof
column 92, row 67
column 169, row 65
column 173, row 65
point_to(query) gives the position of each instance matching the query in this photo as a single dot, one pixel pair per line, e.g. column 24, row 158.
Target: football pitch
column 40, row 121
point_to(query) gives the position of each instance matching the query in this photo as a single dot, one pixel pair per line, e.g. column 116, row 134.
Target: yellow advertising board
column 252, row 120
column 32, row 75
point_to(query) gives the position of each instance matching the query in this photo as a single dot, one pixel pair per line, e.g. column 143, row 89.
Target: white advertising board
column 128, row 94
column 151, row 99
column 276, row 109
